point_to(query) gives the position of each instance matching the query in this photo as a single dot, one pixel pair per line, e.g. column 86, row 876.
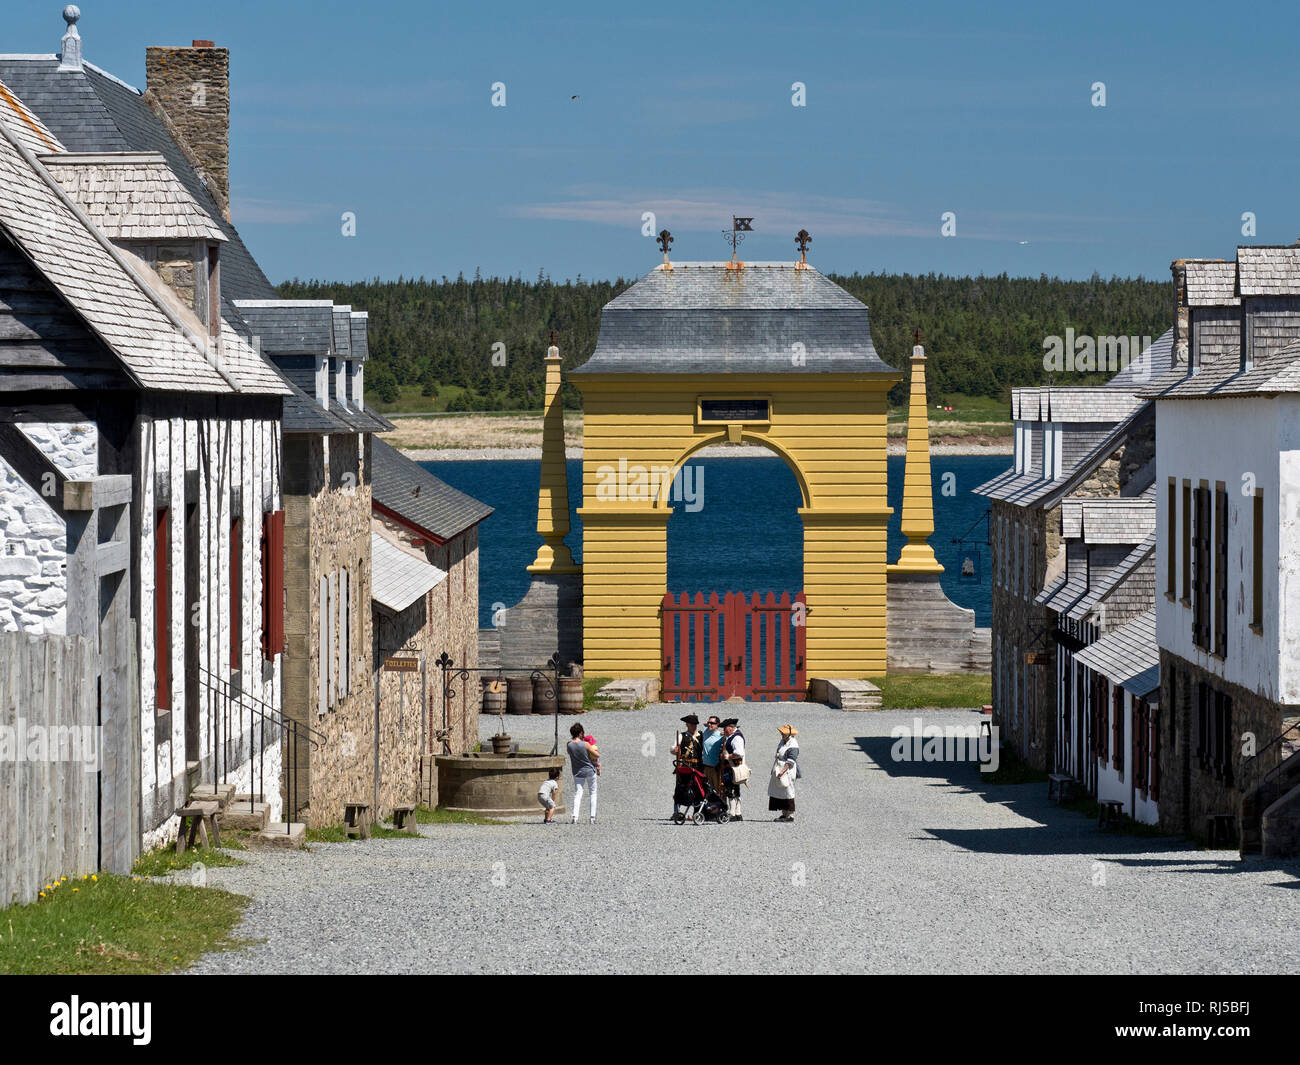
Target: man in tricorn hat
column 688, row 750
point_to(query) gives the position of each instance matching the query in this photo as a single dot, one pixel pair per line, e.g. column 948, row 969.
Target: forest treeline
column 983, row 335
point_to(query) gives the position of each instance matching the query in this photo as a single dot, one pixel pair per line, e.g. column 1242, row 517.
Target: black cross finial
column 803, row 239
column 555, row 338
column 663, row 240
column 916, row 337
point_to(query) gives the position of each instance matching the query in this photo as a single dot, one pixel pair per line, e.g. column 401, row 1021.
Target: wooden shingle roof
column 155, row 345
column 132, row 196
column 1128, row 656
column 409, row 491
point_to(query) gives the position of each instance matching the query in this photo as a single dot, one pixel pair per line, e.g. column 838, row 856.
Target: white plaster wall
column 244, row 453
column 33, row 541
column 1222, row 440
column 1112, row 784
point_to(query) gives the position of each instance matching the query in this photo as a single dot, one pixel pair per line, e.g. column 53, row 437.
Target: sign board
column 402, row 665
column 734, row 410
column 1037, row 658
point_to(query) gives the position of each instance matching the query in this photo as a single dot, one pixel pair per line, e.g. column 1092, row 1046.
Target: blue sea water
column 747, row 536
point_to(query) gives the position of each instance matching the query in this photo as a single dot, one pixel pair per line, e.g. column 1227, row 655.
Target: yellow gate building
column 698, row 354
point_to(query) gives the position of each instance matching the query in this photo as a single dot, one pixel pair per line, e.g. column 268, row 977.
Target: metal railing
column 451, row 673
column 223, row 741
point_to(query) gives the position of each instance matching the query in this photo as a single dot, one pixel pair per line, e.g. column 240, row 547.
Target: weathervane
column 803, row 239
column 736, row 234
column 663, row 240
column 555, row 339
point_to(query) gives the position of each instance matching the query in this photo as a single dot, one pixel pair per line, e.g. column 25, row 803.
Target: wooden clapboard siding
column 832, row 435
column 44, row 344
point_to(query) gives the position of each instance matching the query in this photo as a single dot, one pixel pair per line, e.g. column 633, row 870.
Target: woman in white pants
column 586, row 772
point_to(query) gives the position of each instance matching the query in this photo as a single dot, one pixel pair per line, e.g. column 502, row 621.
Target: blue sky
column 912, row 110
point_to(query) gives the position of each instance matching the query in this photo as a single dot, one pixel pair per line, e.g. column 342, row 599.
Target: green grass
column 438, row 816
column 915, row 691
column 590, row 686
column 165, row 860
column 117, row 925
column 964, row 409
column 411, row 400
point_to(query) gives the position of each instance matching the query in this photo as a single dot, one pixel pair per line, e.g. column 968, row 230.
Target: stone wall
column 191, row 86
column 33, row 541
column 1189, row 791
column 446, row 620
column 327, row 531
column 215, row 462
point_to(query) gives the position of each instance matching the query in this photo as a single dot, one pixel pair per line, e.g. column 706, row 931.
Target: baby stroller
column 695, row 797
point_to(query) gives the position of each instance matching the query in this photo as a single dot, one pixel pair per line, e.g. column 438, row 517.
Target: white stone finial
column 70, row 57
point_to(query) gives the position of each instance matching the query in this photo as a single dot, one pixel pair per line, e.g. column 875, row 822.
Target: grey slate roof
column 1268, row 271
column 25, row 125
column 397, row 578
column 302, row 414
column 1137, row 563
column 705, row 318
column 1063, row 592
column 360, row 335
column 1128, row 656
column 1211, row 283
column 411, row 492
column 91, row 111
column 343, row 331
column 132, row 196
column 290, row 327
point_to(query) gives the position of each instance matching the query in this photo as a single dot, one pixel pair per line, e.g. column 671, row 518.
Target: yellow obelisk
column 917, row 521
column 553, row 498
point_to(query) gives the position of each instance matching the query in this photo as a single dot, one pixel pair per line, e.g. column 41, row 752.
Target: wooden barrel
column 570, row 697
column 519, row 695
column 494, row 697
column 543, row 696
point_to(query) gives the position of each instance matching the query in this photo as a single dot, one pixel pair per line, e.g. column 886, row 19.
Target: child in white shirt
column 549, row 796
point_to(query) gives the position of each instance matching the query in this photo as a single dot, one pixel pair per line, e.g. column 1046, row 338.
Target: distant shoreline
column 460, row 454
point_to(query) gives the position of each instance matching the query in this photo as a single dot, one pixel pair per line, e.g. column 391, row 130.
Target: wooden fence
column 50, row 758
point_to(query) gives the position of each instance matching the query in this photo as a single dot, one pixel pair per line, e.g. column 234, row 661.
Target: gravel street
column 889, row 867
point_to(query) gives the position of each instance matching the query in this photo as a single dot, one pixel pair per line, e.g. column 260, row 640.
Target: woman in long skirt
column 785, row 770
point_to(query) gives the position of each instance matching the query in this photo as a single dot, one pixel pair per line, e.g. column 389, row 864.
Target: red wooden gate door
column 753, row 647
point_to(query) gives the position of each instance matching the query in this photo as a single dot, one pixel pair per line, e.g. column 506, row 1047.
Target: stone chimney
column 189, row 90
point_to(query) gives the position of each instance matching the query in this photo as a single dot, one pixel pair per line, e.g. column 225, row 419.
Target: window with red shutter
column 272, row 584
column 1117, row 710
column 162, row 612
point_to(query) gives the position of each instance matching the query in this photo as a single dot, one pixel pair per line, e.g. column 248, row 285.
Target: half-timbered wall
column 222, row 466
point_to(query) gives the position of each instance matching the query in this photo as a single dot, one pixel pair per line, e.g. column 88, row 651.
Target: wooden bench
column 1221, row 830
column 1059, row 787
column 356, row 819
column 199, row 817
column 1110, row 814
column 404, row 820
